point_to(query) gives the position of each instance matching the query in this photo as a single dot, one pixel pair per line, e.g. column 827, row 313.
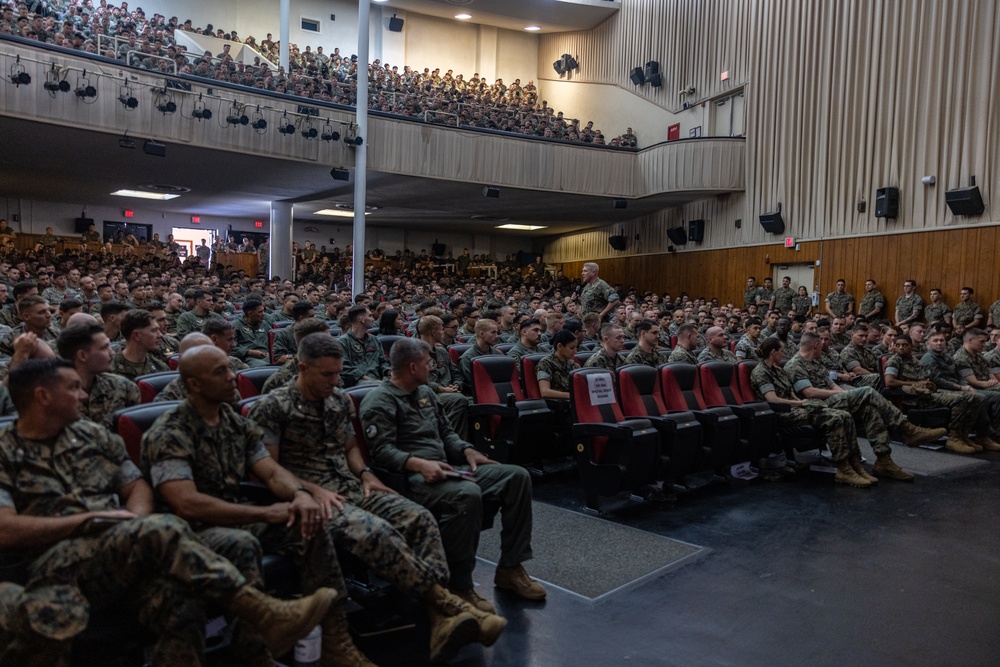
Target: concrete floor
column 797, row 573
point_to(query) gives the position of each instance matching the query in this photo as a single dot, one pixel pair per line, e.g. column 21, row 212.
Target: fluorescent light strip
column 463, row 17
column 142, row 194
column 337, row 213
column 523, row 228
column 532, row 28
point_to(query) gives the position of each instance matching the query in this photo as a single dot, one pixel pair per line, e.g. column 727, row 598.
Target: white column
column 361, row 152
column 283, row 32
column 280, row 242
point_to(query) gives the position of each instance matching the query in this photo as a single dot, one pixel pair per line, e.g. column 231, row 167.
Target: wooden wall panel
column 947, row 259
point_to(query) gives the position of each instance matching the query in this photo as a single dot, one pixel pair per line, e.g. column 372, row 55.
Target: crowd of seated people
column 446, row 98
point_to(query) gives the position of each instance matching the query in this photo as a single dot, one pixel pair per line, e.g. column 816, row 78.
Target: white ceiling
column 549, row 15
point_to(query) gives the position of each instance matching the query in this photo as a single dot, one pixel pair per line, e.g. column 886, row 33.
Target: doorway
column 190, row 238
column 801, row 274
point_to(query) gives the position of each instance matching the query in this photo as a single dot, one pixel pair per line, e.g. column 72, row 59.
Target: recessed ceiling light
column 523, row 228
column 338, row 214
column 463, row 17
column 140, row 194
column 532, row 28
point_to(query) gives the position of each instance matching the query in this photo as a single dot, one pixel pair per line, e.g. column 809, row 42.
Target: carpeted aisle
column 590, row 556
column 922, row 461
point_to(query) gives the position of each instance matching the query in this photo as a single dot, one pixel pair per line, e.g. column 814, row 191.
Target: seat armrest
column 605, row 430
column 490, row 409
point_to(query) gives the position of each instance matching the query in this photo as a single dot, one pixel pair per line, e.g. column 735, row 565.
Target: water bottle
column 307, row 649
column 511, row 400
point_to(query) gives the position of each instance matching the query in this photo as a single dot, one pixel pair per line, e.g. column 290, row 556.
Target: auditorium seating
column 250, row 381
column 152, row 384
column 926, row 417
column 722, row 427
column 797, row 438
column 719, row 387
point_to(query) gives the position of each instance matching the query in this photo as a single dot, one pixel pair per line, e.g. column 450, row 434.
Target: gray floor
column 800, row 573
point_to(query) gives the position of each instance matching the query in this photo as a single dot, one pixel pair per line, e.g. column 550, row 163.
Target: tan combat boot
column 914, row 436
column 987, row 443
column 281, row 623
column 860, row 469
column 488, row 626
column 450, row 633
column 959, row 444
column 476, row 600
column 338, row 649
column 847, row 475
column 886, row 467
column 516, row 580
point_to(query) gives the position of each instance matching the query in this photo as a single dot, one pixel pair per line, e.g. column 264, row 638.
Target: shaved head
column 194, row 339
column 80, row 319
column 713, row 331
column 200, row 359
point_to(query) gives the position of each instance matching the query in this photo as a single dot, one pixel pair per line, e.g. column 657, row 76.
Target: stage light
column 126, row 97
column 329, row 134
column 285, row 125
column 258, row 123
column 165, row 103
column 200, row 112
column 84, row 89
column 17, row 74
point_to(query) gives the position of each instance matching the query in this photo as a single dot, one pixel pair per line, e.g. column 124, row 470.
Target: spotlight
column 199, row 111
column 166, row 103
column 83, row 87
column 258, row 123
column 242, row 119
column 17, row 74
column 329, row 134
column 126, row 97
column 310, row 132
column 53, row 84
column 340, row 174
column 493, row 193
column 285, row 126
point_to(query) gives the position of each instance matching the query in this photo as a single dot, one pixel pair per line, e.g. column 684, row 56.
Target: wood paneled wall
column 946, row 259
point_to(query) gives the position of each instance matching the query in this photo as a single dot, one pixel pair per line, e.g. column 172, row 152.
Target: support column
column 280, row 262
column 283, row 33
column 361, row 153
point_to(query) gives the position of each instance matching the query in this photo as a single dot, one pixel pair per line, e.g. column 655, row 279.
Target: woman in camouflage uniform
column 553, row 371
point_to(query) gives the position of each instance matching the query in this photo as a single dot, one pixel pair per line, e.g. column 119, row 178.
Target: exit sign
column 724, row 76
column 790, row 242
column 258, row 224
column 128, row 213
column 196, row 219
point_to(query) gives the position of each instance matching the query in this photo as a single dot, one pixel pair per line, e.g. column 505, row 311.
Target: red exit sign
column 790, row 242
column 258, row 224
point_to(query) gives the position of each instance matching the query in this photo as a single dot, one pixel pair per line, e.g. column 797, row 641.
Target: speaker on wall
column 772, row 223
column 696, row 231
column 677, row 235
column 80, row 225
column 437, row 249
column 617, row 242
column 638, row 78
column 395, row 24
column 887, row 203
column 965, row 201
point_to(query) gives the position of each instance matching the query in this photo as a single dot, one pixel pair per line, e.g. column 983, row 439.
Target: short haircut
column 309, row 325
column 642, row 326
column 135, row 319
column 573, row 324
column 318, row 345
column 112, row 308
column 468, row 310
column 252, row 304
column 355, row 313
column 768, row 345
column 301, row 309
column 808, row 339
column 29, row 302
column 28, row 376
column 562, row 337
column 905, row 338
column 199, row 294
column 753, row 321
column 75, row 338
column 427, row 323
column 590, row 318
column 968, row 289
column 406, row 351
column 975, row 332
column 216, row 326
column 531, row 321
column 859, row 327
column 484, row 325
column 685, row 329
column 24, row 287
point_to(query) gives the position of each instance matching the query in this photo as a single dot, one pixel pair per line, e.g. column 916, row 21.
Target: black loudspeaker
column 887, row 203
column 772, row 223
column 656, row 80
column 652, row 67
column 558, row 66
column 965, row 201
column 677, row 235
column 619, row 203
column 638, row 78
column 696, row 231
column 395, row 24
column 82, row 224
column 491, row 192
column 617, row 242
column 437, row 249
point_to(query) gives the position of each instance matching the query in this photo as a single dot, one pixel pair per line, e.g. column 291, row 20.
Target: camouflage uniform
column 908, row 305
column 963, row 406
column 556, row 371
column 750, row 295
column 880, row 350
column 6, row 403
column 968, row 364
column 783, row 297
column 867, row 406
column 248, row 338
column 936, row 312
column 122, row 366
column 595, row 297
column 802, row 304
column 362, row 357
column 708, row 354
column 109, row 393
column 840, row 302
column 177, row 391
column 602, row 359
column 964, row 313
column 746, row 348
column 465, row 363
column 152, row 565
column 181, row 446
column 169, row 346
column 944, row 374
column 394, row 536
column 681, row 356
column 639, row 356
column 870, row 301
column 836, row 425
column 764, row 296
column 855, row 356
column 7, row 342
column 9, row 316
column 288, row 372
column 399, row 425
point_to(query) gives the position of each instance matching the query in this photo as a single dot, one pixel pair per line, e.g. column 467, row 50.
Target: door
column 801, row 274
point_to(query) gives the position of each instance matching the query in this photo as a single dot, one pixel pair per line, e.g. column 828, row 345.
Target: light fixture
column 84, row 89
column 17, row 74
column 126, row 97
column 126, row 142
column 142, row 194
column 258, row 123
column 199, row 111
column 532, row 28
column 309, row 132
column 523, row 228
column 491, row 192
column 165, row 103
column 285, row 125
column 463, row 17
column 340, row 174
column 619, row 203
column 334, row 213
column 154, row 148
column 329, row 134
column 236, row 115
column 53, row 83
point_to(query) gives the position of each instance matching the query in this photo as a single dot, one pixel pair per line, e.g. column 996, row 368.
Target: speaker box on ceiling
column 638, row 78
column 617, row 242
column 437, row 249
column 887, row 203
column 772, row 223
column 696, row 231
column 395, row 24
column 965, row 201
column 80, row 225
column 677, row 235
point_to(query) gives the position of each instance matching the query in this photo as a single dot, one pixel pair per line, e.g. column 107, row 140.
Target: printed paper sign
column 602, row 390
